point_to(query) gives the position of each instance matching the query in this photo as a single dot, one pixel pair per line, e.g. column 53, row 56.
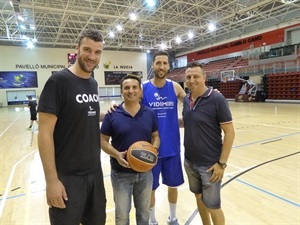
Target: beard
column 83, row 65
column 160, row 75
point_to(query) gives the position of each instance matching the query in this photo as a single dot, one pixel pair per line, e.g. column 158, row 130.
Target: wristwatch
column 223, row 165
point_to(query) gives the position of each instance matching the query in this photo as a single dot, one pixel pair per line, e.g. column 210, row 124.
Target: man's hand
column 112, row 108
column 56, row 194
column 121, row 159
column 217, row 174
column 216, row 90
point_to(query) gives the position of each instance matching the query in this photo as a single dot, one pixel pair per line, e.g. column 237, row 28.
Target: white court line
column 268, row 125
column 110, row 210
column 3, row 201
column 238, row 171
column 11, row 124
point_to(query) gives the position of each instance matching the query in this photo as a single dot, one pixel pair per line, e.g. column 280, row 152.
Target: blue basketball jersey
column 164, row 102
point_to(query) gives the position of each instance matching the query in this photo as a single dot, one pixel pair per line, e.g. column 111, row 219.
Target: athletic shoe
column 29, row 128
column 173, row 222
column 155, row 223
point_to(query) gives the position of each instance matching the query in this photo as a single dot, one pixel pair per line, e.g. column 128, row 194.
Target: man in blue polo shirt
column 205, row 115
column 130, row 122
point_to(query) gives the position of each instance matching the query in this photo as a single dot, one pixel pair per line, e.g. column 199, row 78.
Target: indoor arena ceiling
column 57, row 23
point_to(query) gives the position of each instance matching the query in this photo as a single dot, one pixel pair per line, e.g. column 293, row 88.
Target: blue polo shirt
column 125, row 129
column 202, row 132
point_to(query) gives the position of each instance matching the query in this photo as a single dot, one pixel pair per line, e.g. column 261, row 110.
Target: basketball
column 141, row 156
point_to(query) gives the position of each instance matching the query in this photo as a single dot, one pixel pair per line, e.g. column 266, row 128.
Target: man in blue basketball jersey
column 162, row 95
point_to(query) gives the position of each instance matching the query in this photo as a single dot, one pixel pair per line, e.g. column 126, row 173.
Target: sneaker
column 155, row 223
column 29, row 128
column 173, row 222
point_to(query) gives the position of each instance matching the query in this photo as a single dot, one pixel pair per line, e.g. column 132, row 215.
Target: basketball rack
column 249, row 87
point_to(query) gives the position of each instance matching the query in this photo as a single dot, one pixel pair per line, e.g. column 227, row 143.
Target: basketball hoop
column 227, row 75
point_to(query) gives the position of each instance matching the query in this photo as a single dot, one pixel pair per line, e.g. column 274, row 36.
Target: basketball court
column 261, row 183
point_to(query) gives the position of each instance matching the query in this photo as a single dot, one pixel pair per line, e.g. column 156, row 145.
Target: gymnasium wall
column 47, row 60
column 273, row 37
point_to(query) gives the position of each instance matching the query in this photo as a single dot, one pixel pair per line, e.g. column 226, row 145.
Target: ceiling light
column 119, row 27
column 111, row 34
column 11, row 4
column 288, row 1
column 30, row 44
column 132, row 16
column 150, row 3
column 141, row 36
column 178, row 40
column 22, row 27
column 211, row 26
column 20, row 18
column 190, row 35
column 163, row 46
column 148, row 51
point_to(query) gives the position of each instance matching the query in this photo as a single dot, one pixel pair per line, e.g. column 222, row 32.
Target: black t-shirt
column 74, row 101
column 32, row 106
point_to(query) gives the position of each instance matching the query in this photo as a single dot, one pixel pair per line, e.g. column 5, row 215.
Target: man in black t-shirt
column 68, row 139
column 32, row 107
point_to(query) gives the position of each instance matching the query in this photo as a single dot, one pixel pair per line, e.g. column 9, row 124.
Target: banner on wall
column 18, row 79
column 115, row 77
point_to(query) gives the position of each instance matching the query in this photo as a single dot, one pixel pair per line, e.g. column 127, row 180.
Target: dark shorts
column 33, row 116
column 170, row 169
column 86, row 201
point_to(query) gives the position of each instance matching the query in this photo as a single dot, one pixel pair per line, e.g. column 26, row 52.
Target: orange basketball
column 141, row 156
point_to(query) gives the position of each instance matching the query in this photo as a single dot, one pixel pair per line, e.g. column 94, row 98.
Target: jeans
column 199, row 183
column 126, row 185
